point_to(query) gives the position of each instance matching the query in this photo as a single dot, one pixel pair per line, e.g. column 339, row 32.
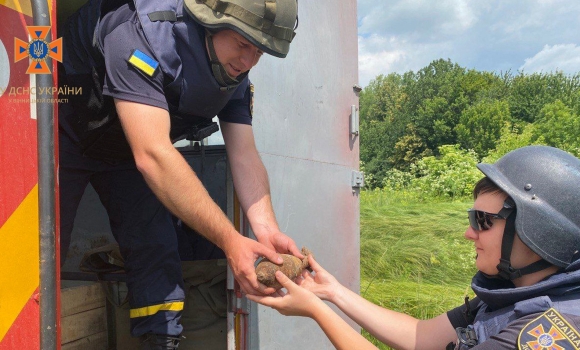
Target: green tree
column 435, row 102
column 481, row 124
column 477, row 86
column 381, row 123
column 528, row 94
column 408, row 150
column 374, row 135
column 560, row 127
column 511, row 139
column 406, row 118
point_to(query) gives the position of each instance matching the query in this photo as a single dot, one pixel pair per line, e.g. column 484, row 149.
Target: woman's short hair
column 485, row 185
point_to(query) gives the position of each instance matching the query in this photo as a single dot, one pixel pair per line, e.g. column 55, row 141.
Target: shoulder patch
column 143, row 62
column 550, row 331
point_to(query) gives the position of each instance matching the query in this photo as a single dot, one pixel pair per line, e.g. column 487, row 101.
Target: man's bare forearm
column 179, row 189
column 168, row 175
column 253, row 189
column 250, row 177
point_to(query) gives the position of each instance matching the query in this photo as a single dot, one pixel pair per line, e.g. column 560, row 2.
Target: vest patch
column 143, row 62
column 550, row 331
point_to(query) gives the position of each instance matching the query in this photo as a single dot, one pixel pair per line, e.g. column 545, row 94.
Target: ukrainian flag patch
column 143, row 62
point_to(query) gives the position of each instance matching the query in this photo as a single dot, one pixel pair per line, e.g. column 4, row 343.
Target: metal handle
column 353, row 120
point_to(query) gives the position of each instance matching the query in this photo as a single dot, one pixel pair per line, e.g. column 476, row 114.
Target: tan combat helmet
column 268, row 24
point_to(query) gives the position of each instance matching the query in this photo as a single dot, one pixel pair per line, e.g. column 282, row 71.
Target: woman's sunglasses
column 481, row 220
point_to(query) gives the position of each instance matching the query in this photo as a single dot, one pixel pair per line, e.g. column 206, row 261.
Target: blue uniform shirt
column 185, row 86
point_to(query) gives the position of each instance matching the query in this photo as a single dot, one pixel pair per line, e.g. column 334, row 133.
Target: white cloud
column 564, row 57
column 395, row 56
column 371, row 63
column 492, row 35
column 415, row 19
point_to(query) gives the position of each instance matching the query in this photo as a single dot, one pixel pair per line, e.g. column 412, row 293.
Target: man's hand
column 280, row 243
column 253, row 189
column 242, row 253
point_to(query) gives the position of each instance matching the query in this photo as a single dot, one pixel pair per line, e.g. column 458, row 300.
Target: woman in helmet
column 150, row 73
column 526, row 232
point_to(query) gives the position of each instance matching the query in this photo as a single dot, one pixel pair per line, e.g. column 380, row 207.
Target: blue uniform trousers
column 143, row 228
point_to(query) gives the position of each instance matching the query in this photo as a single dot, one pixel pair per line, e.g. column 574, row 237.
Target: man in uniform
column 151, row 73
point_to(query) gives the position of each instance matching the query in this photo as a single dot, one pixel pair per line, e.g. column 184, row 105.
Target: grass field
column 414, row 258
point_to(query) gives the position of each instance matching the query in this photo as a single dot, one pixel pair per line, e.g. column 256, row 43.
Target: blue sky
column 491, row 35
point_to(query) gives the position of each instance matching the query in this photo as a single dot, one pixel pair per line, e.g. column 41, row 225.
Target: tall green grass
column 414, row 258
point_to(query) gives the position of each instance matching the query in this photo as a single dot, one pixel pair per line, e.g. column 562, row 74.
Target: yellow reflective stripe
column 19, row 260
column 153, row 309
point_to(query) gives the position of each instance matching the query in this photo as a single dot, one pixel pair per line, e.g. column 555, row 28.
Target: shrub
column 451, row 175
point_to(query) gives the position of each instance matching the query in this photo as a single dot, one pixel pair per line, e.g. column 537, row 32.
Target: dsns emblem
column 38, row 50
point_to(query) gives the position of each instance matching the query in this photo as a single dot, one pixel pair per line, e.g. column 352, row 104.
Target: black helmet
column 268, row 24
column 544, row 183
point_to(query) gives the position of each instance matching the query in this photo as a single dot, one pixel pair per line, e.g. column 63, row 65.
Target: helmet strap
column 225, row 81
column 505, row 270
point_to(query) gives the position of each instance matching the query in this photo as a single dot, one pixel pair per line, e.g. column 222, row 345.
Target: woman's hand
column 322, row 284
column 296, row 302
column 301, row 302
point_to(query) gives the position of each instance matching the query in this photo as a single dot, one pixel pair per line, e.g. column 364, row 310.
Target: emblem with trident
column 38, row 50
